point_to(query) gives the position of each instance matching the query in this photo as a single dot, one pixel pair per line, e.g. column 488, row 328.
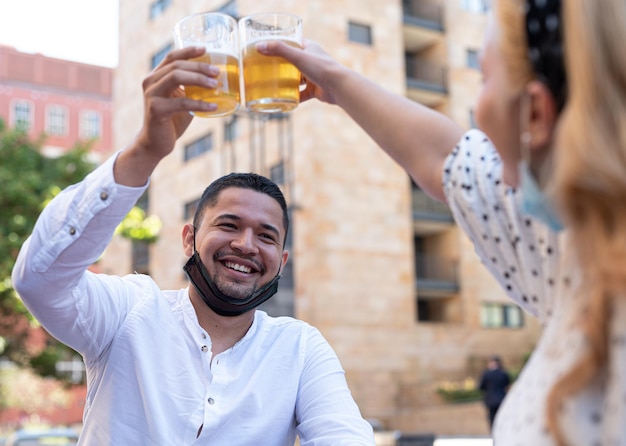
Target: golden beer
column 271, row 83
column 226, row 94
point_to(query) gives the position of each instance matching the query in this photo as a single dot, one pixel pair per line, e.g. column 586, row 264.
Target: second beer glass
column 271, row 84
column 218, row 33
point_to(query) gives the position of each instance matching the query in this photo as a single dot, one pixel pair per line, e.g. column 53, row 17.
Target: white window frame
column 89, row 130
column 30, row 110
column 56, row 123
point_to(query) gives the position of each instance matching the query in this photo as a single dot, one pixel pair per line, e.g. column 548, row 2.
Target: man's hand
column 166, row 113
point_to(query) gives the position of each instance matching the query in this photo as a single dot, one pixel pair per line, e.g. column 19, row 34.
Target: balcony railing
column 426, row 208
column 436, row 274
column 425, row 75
column 426, row 14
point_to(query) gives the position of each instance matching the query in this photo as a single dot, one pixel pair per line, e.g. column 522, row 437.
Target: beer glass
column 218, row 33
column 271, row 84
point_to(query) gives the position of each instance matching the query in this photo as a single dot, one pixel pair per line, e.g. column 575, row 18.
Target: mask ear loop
column 525, row 136
column 194, row 239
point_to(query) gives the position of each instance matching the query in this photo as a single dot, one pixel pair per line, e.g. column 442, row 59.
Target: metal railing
column 435, row 268
column 421, row 73
column 426, row 208
column 428, row 14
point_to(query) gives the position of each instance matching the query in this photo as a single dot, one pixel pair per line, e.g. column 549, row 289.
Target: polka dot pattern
column 531, row 264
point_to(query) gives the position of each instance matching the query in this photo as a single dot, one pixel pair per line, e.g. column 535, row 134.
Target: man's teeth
column 237, row 267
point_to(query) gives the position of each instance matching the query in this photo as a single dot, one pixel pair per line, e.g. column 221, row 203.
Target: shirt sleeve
column 521, row 253
column 50, row 274
column 326, row 413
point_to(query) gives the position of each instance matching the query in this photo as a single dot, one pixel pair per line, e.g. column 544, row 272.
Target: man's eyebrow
column 266, row 226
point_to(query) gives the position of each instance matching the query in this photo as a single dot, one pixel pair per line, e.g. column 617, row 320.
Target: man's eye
column 227, row 225
column 269, row 237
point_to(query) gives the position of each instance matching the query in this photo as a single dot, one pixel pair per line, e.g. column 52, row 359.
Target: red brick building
column 66, row 101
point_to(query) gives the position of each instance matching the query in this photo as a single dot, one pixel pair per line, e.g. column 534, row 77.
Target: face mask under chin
column 535, row 203
column 219, row 302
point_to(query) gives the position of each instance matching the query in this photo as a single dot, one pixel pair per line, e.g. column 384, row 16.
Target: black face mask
column 216, row 300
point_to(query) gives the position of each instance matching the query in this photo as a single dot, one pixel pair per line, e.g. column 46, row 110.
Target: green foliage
column 29, row 181
column 459, row 392
column 136, row 226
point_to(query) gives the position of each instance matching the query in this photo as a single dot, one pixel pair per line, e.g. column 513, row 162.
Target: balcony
column 423, row 23
column 429, row 216
column 423, row 14
column 435, row 276
column 426, row 81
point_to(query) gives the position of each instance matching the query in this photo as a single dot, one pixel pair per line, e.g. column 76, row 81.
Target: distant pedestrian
column 494, row 384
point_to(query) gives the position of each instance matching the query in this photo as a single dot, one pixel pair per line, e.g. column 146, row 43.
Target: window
column 160, row 55
column 277, row 173
column 22, row 115
column 229, row 8
column 190, row 209
column 472, row 59
column 230, row 130
column 158, row 6
column 472, row 119
column 359, row 33
column 440, row 309
column 90, row 124
column 198, row 147
column 479, row 6
column 56, row 120
column 496, row 315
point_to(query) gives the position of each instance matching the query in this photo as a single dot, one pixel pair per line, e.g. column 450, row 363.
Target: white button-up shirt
column 151, row 380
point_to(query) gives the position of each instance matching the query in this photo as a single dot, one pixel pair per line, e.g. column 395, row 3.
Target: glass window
column 479, row 6
column 277, row 173
column 472, row 59
column 160, row 55
column 22, row 114
column 56, row 120
column 90, row 124
column 230, row 130
column 359, row 33
column 157, row 7
column 229, row 8
column 190, row 209
column 496, row 315
column 198, row 147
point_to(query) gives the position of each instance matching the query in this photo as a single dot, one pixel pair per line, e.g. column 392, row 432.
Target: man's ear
column 542, row 117
column 188, row 238
column 284, row 260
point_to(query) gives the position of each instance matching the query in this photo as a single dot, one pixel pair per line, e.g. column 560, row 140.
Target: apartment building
column 65, row 101
column 381, row 269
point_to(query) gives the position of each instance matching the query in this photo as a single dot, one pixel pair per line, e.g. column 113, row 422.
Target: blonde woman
column 540, row 190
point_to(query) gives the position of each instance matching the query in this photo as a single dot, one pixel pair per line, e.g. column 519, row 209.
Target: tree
column 29, row 181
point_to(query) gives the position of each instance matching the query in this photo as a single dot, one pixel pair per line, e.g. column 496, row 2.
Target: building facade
column 377, row 266
column 66, row 102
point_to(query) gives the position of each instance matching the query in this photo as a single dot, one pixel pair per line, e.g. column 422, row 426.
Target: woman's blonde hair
column 589, row 182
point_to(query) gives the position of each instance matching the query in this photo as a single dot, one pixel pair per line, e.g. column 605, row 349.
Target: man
column 198, row 365
column 494, row 383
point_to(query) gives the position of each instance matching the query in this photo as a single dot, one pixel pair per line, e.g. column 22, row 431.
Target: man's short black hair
column 251, row 181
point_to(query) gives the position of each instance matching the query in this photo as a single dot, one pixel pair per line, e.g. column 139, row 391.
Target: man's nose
column 245, row 242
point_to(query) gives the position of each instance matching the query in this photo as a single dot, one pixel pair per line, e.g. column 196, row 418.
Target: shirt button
column 204, row 348
column 211, row 401
column 72, row 230
column 104, row 196
column 203, row 335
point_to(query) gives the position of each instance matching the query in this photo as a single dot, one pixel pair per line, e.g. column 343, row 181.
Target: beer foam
column 254, row 40
column 210, row 49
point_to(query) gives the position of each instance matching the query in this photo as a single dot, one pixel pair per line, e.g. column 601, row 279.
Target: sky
column 78, row 30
